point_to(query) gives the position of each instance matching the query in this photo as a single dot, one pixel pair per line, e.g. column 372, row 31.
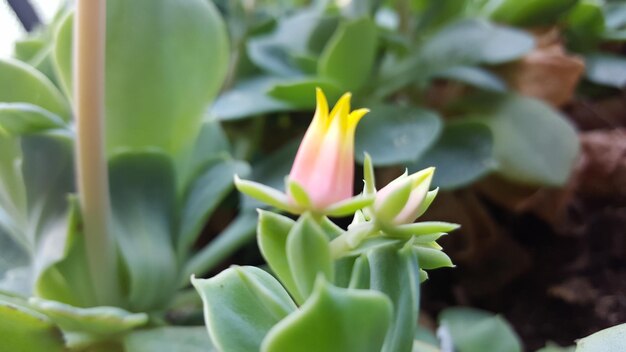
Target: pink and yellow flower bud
column 402, row 201
column 324, row 164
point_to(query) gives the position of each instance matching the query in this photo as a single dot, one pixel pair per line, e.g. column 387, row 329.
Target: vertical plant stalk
column 92, row 175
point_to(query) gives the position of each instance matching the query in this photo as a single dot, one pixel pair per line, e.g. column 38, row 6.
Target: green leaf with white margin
column 308, row 254
column 607, row 340
column 431, row 258
column 272, row 233
column 143, row 200
column 533, row 143
column 241, row 304
column 211, row 185
column 165, row 62
column 23, row 329
column 349, row 55
column 462, row 155
column 393, row 134
column 606, row 69
column 22, row 118
column 395, row 272
column 333, row 320
column 169, row 339
column 92, row 320
column 27, row 85
column 473, row 330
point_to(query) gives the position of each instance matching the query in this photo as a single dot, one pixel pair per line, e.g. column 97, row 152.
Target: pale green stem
column 91, row 166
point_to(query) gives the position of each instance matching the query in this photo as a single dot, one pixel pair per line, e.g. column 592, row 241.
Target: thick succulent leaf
column 333, row 320
column 462, row 155
column 606, row 69
column 14, row 265
column 204, row 194
column 241, row 304
column 23, row 329
column 533, row 143
column 393, row 134
column 529, row 12
column 308, row 254
column 273, row 52
column 12, row 192
column 607, row 340
column 239, row 232
column 92, row 320
column 394, row 272
column 474, row 41
column 473, row 76
column 143, row 203
column 272, row 233
column 211, row 143
column 22, row 118
column 165, row 62
column 30, row 86
column 300, row 93
column 473, row 330
column 349, row 55
column 169, row 339
column 271, row 171
column 249, row 98
column 67, row 278
column 431, row 258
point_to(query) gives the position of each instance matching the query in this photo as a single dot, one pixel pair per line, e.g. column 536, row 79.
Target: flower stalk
column 91, row 166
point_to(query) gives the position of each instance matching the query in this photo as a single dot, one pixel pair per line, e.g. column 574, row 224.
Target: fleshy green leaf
column 239, row 232
column 424, row 228
column 249, row 98
column 67, row 278
column 462, row 155
column 263, row 193
column 165, row 62
column 473, row 330
column 349, row 56
column 143, row 201
column 21, row 118
column 93, row 320
column 272, row 235
column 333, row 320
column 299, row 194
column 169, row 339
column 474, row 76
column 394, row 272
column 204, row 194
column 22, row 329
column 241, row 304
column 27, row 85
column 432, row 258
column 308, row 254
column 301, row 93
column 526, row 153
column 528, row 12
column 607, row 340
column 349, row 206
column 273, row 52
column 393, row 134
column 606, row 69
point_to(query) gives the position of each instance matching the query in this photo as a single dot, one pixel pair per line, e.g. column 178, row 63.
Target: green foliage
column 23, row 329
column 333, row 319
column 156, row 98
column 168, row 339
column 241, row 304
column 472, row 330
